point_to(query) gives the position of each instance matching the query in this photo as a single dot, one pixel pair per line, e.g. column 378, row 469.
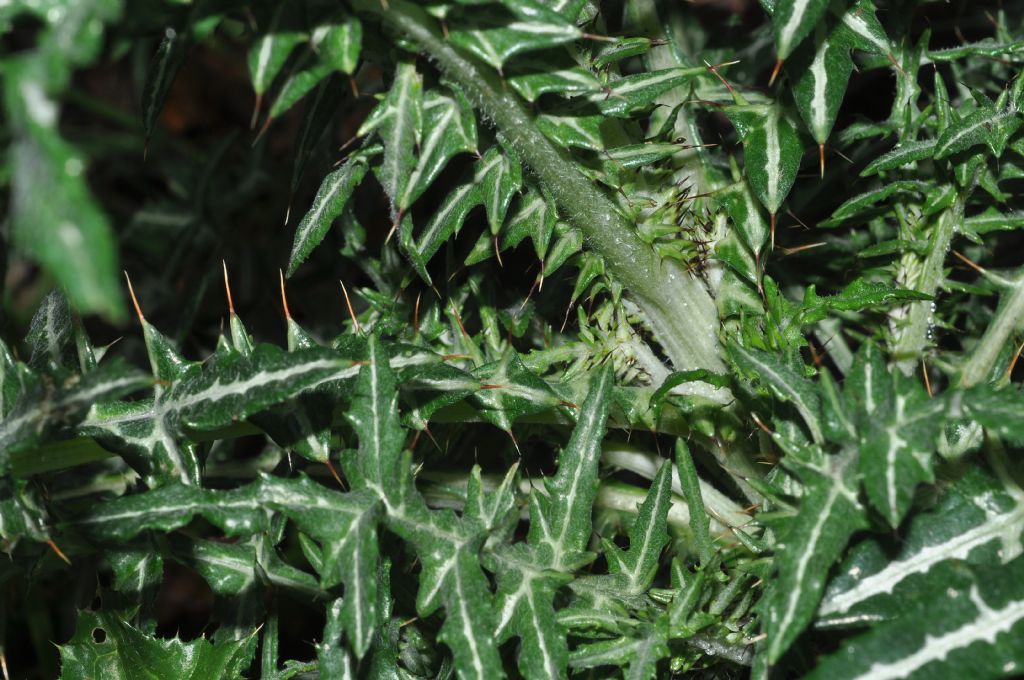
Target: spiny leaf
column 307, row 74
column 771, row 149
column 631, row 93
column 869, row 200
column 978, row 520
column 905, row 153
column 793, row 20
column 635, row 567
column 525, row 605
column 822, row 69
column 970, row 130
column 497, row 42
column 449, row 128
column 532, row 78
column 162, row 71
column 51, row 334
column 564, row 529
column 690, row 483
column 444, row 224
column 501, row 176
column 331, row 198
column 399, row 119
column 339, row 42
column 783, row 381
column 123, row 652
column 998, row 411
column 271, row 50
column 813, row 540
column 237, row 387
column 866, row 31
column 970, row 624
column 374, row 418
column 897, row 433
column 46, row 408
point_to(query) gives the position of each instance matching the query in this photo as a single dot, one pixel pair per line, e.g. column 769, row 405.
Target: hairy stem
column 912, row 331
column 1008, row 319
column 678, row 307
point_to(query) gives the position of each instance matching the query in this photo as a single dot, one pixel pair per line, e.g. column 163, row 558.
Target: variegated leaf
column 977, row 521
column 398, row 121
column 496, row 43
column 821, row 70
column 271, row 50
column 330, row 201
column 793, row 20
column 811, row 542
column 783, row 382
column 971, row 624
column 771, row 149
column 449, row 128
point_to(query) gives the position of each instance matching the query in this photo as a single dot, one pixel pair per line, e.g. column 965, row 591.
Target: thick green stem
column 678, row 307
column 912, row 331
column 1008, row 319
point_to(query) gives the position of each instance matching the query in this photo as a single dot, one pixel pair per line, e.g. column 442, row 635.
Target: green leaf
column 104, row 646
column 905, row 153
column 971, row 624
column 631, row 93
column 897, row 433
column 971, row 130
column 51, row 334
column 866, row 31
column 783, row 381
column 535, row 217
column 55, row 219
column 307, row 74
column 641, row 653
column 271, row 50
column 690, row 483
column 496, row 41
column 46, row 408
column 621, row 48
column 339, row 43
column 572, row 131
column 793, row 20
column 449, row 128
column 1012, row 51
column 746, row 216
column 821, row 69
column 771, row 149
column 635, row 568
column 161, row 74
column 237, row 387
column 562, row 523
column 443, row 225
column 331, row 198
column 869, row 200
column 994, row 220
column 812, row 541
column 998, row 411
column 532, row 78
column 859, row 295
column 525, row 605
column 977, row 521
column 500, row 175
column 398, row 119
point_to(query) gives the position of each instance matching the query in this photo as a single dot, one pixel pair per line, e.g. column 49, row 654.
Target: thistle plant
column 620, row 338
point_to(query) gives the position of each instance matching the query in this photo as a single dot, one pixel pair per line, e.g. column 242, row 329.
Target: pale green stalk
column 1009, row 318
